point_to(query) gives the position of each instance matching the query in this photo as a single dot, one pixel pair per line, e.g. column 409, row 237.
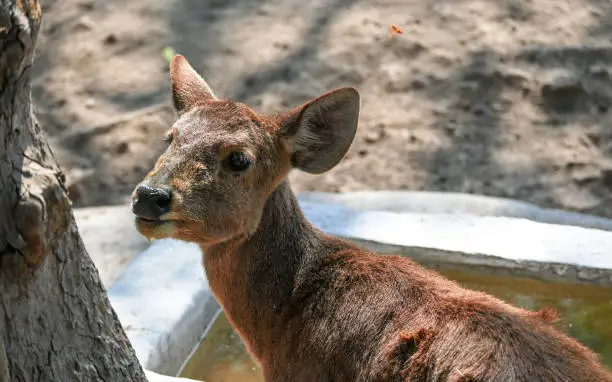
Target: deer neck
column 254, row 278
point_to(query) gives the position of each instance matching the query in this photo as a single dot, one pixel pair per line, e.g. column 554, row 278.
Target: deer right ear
column 320, row 132
column 188, row 88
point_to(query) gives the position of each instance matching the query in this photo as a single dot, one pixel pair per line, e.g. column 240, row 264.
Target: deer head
column 224, row 159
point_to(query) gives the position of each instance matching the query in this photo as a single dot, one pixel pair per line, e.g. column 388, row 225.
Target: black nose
column 151, row 203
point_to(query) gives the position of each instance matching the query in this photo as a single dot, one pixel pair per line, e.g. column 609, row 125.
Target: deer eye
column 238, row 161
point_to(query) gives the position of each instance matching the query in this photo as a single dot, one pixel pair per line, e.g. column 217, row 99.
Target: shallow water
column 586, row 315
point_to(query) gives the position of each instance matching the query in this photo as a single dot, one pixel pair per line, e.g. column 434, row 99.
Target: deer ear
column 321, row 131
column 188, row 88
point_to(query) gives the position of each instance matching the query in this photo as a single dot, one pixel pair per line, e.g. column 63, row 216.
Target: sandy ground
column 507, row 98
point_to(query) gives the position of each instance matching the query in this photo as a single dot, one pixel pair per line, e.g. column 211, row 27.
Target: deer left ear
column 188, row 88
column 320, row 132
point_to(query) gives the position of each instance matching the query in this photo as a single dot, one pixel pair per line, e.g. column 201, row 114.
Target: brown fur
column 311, row 307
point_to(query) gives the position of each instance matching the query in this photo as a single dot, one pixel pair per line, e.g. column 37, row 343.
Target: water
column 222, row 357
column 586, row 312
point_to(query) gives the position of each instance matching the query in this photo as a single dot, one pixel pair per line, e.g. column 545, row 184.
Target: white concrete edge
column 156, row 377
column 501, row 237
column 195, row 347
column 432, row 202
column 111, row 238
column 164, row 303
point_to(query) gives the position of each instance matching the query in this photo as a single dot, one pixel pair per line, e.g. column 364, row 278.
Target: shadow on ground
column 507, row 99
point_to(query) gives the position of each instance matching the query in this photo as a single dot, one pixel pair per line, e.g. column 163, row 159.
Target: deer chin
column 156, row 229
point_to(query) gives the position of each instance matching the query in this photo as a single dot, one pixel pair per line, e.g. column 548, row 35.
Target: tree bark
column 56, row 322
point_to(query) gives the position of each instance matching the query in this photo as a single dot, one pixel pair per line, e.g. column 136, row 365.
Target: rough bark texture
column 56, row 322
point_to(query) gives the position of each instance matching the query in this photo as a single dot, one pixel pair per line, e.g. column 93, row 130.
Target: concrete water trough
column 526, row 255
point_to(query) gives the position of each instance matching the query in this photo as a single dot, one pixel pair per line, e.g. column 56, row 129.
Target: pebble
column 111, row 39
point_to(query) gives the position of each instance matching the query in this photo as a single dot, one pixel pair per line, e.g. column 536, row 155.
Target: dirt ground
column 507, row 98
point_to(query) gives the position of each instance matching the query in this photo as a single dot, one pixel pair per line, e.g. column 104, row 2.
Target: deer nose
column 151, row 203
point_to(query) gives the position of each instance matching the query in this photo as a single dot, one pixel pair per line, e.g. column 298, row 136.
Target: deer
column 310, row 306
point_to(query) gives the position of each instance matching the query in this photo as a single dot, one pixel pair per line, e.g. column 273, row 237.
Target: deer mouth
column 153, row 222
column 149, row 221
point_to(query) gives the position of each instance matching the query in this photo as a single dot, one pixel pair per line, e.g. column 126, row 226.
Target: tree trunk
column 56, row 322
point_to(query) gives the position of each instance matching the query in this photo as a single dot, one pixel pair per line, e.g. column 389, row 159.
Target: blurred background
column 506, row 98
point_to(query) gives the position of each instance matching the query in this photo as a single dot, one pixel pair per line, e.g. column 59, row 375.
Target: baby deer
column 311, row 307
